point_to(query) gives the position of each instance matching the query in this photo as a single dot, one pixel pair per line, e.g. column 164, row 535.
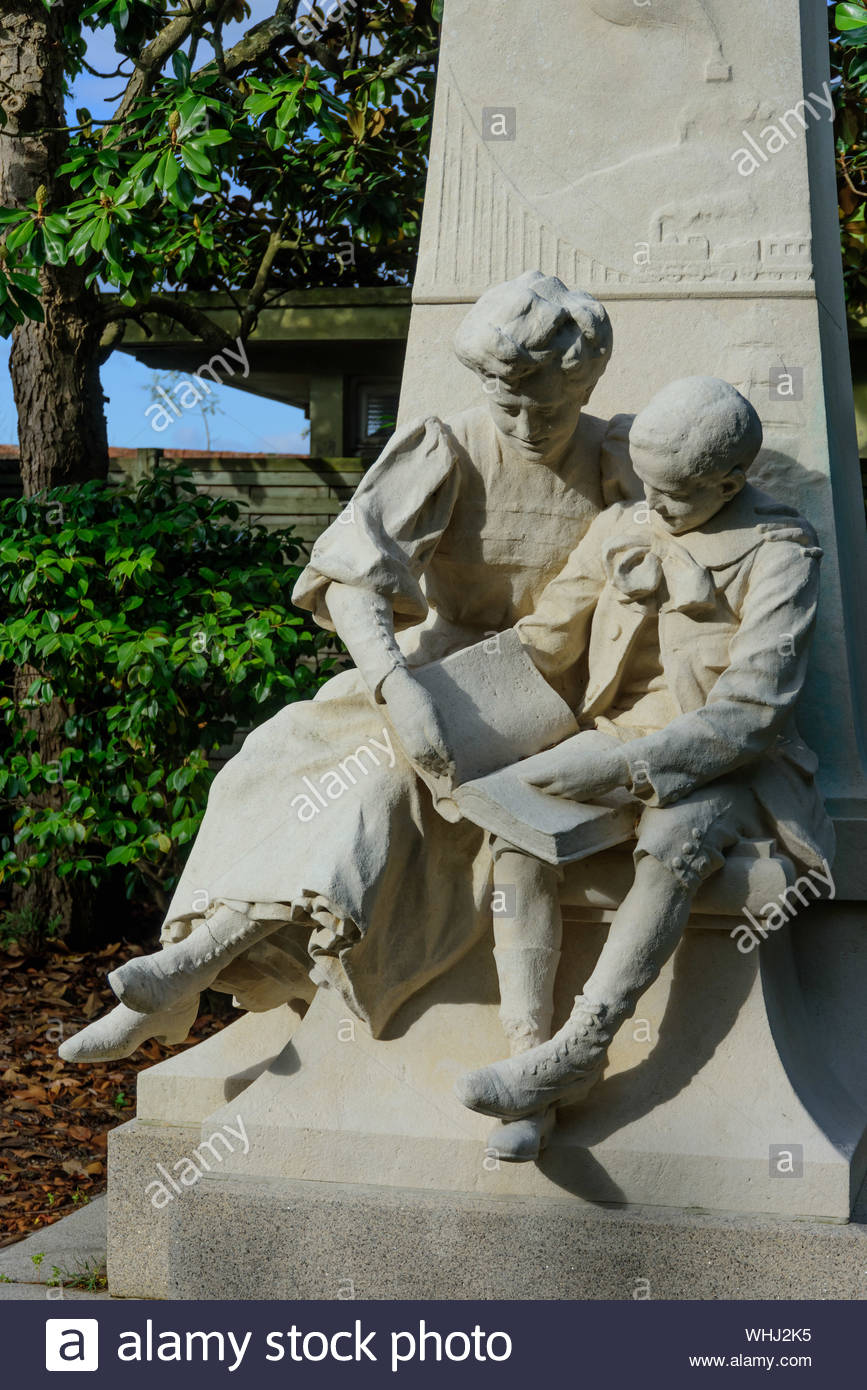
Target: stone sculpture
column 452, row 535
column 695, row 609
column 676, row 627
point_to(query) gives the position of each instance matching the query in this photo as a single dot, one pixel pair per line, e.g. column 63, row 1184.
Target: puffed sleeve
column 619, row 483
column 385, row 536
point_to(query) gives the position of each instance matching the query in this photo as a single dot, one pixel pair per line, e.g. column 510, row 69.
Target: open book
column 497, row 711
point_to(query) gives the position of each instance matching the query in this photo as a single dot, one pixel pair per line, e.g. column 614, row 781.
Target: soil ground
column 55, row 1116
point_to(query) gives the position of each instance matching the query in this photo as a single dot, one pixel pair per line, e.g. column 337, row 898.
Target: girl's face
column 537, row 414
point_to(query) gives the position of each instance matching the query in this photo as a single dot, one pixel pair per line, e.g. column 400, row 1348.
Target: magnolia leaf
column 195, row 161
column 213, row 137
column 286, row 112
column 355, row 121
column 850, row 15
column 56, row 248
column 181, row 66
column 166, row 175
column 57, row 223
column 20, row 236
column 100, row 236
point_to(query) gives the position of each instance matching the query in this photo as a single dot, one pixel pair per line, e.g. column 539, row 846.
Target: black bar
column 526, row 1345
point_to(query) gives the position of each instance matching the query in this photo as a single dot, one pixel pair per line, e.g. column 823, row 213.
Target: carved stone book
column 497, row 711
column 549, row 827
column 495, row 707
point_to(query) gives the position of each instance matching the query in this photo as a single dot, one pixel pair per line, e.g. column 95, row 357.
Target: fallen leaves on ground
column 56, row 1115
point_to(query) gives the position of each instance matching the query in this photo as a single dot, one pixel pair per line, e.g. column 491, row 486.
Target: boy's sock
column 527, row 933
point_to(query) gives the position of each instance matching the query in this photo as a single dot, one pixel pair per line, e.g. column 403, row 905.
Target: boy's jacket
column 736, row 603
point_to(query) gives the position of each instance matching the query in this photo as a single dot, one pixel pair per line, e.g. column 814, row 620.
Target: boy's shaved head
column 705, row 427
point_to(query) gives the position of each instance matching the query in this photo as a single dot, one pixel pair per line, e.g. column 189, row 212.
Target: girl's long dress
column 374, row 885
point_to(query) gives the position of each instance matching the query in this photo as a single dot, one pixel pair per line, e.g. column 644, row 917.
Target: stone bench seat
column 755, row 874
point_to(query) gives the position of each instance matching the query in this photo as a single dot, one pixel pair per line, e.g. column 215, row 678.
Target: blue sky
column 245, row 422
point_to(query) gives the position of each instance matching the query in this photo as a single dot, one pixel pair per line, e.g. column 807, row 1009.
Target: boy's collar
column 738, row 527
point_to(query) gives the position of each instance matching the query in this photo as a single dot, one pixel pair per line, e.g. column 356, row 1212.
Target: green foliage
column 155, row 624
column 849, row 73
column 91, row 1276
column 220, row 161
column 24, row 927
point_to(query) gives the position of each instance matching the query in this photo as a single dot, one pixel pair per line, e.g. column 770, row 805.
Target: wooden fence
column 280, row 490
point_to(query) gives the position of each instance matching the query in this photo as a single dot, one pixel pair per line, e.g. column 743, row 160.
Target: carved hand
column 581, row 768
column 416, row 720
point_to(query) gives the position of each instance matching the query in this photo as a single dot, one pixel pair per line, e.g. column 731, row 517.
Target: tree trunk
column 55, row 377
column 54, row 365
column 48, row 902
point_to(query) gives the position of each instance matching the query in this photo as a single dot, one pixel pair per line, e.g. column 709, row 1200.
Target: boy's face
column 681, row 501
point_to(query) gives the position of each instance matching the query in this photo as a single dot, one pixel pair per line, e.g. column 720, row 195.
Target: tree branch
column 256, row 43
column 111, row 338
column 216, row 39
column 409, row 60
column 859, row 192
column 357, row 28
column 254, row 299
column 194, row 320
column 110, row 75
column 156, row 55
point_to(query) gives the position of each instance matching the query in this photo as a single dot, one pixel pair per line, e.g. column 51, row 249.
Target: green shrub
column 156, row 622
column 27, row 928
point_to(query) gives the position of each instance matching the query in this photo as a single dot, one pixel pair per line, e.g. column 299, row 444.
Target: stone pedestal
column 324, row 1240
column 740, row 1085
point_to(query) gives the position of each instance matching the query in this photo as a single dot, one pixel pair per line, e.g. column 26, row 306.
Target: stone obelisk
column 676, row 159
column 682, row 170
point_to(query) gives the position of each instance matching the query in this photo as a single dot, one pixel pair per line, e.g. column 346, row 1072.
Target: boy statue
column 692, row 612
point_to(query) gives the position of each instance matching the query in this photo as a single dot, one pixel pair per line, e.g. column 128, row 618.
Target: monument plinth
column 682, row 173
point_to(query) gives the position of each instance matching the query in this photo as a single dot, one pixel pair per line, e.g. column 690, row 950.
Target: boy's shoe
column 559, row 1072
column 522, row 1141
